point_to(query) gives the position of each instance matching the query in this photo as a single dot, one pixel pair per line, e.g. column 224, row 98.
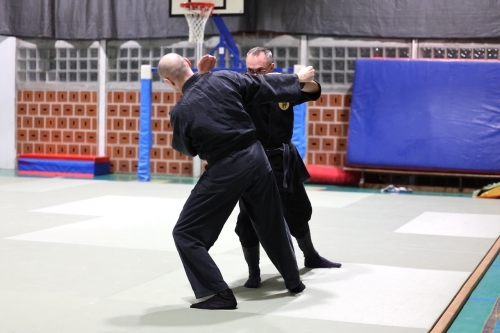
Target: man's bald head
column 173, row 67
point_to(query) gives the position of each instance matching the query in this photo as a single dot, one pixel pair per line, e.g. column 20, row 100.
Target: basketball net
column 197, row 14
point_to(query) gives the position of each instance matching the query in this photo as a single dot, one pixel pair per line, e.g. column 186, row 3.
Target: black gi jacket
column 274, row 126
column 210, row 121
column 274, row 121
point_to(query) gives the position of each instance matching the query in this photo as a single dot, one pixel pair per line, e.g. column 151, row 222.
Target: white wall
column 7, row 102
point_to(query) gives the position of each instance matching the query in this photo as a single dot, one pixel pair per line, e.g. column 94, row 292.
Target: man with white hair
column 210, row 121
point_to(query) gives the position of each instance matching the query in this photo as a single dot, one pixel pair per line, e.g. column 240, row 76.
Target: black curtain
column 383, row 18
column 138, row 19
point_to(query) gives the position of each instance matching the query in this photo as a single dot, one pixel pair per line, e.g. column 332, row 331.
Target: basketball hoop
column 197, row 14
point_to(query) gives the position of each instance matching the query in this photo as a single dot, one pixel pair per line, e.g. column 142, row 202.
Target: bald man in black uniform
column 209, row 121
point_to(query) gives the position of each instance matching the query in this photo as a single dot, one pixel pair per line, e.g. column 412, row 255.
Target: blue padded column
column 299, row 136
column 145, row 132
column 299, row 128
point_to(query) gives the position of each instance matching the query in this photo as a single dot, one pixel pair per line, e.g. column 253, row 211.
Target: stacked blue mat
column 53, row 165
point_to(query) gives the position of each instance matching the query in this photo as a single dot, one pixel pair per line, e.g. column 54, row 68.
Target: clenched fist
column 306, row 74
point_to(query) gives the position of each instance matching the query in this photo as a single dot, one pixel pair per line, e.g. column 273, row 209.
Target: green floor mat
column 481, row 312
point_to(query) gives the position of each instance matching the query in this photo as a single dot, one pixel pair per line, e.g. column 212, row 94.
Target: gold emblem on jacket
column 284, row 105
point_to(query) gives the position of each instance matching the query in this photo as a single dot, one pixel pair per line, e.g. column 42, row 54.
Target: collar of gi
column 190, row 82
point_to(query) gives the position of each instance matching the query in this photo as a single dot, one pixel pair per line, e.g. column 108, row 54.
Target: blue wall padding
column 426, row 115
column 27, row 164
column 145, row 133
column 299, row 128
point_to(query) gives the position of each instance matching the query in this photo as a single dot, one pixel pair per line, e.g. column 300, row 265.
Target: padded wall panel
column 299, row 137
column 427, row 115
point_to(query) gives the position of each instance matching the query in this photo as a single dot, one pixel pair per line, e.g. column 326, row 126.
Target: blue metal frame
column 226, row 41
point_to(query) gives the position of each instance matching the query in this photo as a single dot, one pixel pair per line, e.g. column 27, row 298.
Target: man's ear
column 188, row 62
column 271, row 68
column 169, row 82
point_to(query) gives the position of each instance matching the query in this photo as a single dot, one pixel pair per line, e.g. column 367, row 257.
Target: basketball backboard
column 222, row 7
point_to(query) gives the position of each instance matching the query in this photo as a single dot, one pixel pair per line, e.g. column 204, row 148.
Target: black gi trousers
column 296, row 209
column 244, row 175
column 296, row 205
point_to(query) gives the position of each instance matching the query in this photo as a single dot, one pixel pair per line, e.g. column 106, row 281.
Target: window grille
column 125, row 60
column 451, row 50
column 335, row 59
column 59, row 62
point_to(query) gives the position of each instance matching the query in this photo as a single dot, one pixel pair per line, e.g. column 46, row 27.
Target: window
column 335, row 59
column 450, row 50
column 57, row 64
column 125, row 60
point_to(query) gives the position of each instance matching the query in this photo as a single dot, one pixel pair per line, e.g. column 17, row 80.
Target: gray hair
column 258, row 50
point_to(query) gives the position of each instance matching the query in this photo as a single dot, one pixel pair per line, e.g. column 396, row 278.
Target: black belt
column 285, row 150
column 236, row 148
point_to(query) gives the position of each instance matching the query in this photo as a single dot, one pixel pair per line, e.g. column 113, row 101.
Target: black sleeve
column 305, row 97
column 263, row 89
column 181, row 140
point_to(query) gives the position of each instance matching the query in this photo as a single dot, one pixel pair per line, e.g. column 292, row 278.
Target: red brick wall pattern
column 65, row 122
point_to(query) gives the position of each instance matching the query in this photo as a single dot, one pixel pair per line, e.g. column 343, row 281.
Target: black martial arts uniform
column 210, row 121
column 274, row 125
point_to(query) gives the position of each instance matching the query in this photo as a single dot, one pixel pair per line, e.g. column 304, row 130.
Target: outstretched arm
column 262, row 89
